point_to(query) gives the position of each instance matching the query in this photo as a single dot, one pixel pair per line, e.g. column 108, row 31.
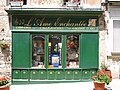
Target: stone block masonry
column 5, row 34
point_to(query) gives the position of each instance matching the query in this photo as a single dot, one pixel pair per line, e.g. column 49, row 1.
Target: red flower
column 103, row 76
column 2, row 78
column 101, row 72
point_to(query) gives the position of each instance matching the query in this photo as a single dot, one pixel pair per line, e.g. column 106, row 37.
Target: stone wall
column 45, row 2
column 5, row 34
column 104, row 37
column 103, row 33
column 60, row 2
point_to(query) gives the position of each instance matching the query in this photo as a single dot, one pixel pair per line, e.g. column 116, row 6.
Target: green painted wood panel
column 59, row 74
column 89, row 50
column 51, row 74
column 24, row 74
column 68, row 74
column 63, row 51
column 86, row 74
column 76, row 74
column 46, row 50
column 34, row 74
column 20, row 50
column 93, row 72
column 42, row 74
column 16, row 74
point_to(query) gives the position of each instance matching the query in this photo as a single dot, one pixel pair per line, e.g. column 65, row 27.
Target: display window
column 55, row 49
column 72, row 51
column 38, row 52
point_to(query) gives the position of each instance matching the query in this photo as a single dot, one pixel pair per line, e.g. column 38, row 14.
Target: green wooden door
column 20, row 50
column 89, row 51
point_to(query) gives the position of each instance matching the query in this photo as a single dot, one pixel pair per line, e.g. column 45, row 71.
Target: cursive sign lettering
column 53, row 21
column 69, row 23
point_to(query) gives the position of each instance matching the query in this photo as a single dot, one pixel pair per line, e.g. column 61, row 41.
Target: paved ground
column 114, row 85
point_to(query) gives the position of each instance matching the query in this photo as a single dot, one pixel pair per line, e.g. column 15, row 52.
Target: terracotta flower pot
column 5, row 88
column 99, row 85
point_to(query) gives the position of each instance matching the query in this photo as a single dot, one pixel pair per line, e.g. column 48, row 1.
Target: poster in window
column 55, row 60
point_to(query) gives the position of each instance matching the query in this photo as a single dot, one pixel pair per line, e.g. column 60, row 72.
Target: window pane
column 38, row 43
column 16, row 2
column 72, row 51
column 71, row 0
column 116, row 34
column 55, row 46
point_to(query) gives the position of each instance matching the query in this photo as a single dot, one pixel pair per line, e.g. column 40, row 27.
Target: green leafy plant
column 104, row 66
column 102, row 77
column 4, row 81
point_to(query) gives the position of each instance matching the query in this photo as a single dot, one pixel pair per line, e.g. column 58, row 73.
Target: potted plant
column 4, row 82
column 105, row 67
column 101, row 79
column 3, row 44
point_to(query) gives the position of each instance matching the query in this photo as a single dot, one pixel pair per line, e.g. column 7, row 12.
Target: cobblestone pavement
column 114, row 85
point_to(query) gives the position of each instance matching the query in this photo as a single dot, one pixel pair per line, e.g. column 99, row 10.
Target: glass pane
column 116, row 34
column 16, row 0
column 71, row 0
column 55, row 46
column 38, row 43
column 72, row 51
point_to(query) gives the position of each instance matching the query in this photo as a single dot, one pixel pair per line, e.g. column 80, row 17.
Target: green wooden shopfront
column 54, row 45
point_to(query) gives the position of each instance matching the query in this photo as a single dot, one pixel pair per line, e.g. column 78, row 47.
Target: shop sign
column 55, row 28
column 54, row 21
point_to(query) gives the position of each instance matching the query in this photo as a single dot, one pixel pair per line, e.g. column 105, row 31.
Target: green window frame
column 22, row 50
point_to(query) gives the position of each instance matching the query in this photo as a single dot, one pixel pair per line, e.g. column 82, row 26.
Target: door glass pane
column 72, row 51
column 55, row 46
column 38, row 43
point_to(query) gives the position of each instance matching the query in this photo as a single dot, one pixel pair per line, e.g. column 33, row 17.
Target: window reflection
column 55, row 47
column 72, row 51
column 38, row 51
